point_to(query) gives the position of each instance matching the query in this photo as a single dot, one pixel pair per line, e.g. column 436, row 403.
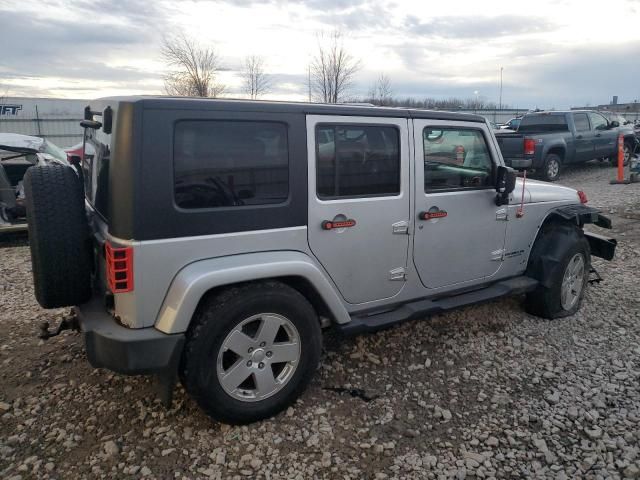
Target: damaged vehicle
column 17, row 154
column 212, row 241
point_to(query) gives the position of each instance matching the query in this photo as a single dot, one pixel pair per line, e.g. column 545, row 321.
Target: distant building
column 614, row 106
column 52, row 118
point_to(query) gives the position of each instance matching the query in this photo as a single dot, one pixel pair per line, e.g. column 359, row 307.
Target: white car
column 17, row 154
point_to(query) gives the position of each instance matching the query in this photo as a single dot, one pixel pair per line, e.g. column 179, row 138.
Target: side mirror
column 614, row 124
column 505, row 184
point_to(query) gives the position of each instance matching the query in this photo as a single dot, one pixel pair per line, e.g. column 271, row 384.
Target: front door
column 359, row 203
column 605, row 138
column 459, row 230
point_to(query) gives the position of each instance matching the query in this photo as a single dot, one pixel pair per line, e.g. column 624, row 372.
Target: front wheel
column 551, row 167
column 251, row 351
column 561, row 262
column 626, row 155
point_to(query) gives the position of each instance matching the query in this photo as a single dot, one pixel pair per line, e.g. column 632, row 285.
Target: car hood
column 536, row 192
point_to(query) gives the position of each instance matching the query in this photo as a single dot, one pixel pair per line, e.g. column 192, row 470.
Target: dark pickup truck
column 545, row 141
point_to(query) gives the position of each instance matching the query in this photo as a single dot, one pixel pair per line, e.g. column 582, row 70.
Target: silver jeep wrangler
column 212, row 240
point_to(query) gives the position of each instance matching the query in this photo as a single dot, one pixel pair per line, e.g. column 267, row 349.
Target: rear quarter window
column 225, row 163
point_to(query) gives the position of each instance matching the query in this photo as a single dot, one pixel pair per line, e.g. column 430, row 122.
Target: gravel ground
column 487, row 391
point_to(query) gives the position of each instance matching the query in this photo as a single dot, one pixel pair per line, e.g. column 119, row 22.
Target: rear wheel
column 251, row 351
column 58, row 236
column 560, row 261
column 551, row 167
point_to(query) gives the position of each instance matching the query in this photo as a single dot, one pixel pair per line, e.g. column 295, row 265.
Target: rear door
column 359, row 202
column 584, row 138
column 459, row 231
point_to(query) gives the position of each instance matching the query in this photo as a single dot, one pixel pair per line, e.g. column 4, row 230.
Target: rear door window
column 357, row 161
column 222, row 163
column 582, row 122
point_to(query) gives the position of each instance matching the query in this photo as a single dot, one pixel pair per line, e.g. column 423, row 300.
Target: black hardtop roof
column 190, row 103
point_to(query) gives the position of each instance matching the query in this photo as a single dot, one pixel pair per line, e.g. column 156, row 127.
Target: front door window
column 455, row 158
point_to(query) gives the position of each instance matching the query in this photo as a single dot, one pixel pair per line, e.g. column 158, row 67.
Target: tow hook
column 594, row 276
column 70, row 322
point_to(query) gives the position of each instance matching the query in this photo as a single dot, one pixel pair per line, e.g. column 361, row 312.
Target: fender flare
column 547, row 253
column 542, row 266
column 559, row 145
column 196, row 279
column 579, row 214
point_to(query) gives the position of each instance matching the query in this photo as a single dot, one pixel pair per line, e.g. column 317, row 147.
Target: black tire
column 552, row 253
column 217, row 317
column 551, row 167
column 58, row 236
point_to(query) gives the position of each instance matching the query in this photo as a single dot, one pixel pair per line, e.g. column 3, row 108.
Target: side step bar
column 422, row 308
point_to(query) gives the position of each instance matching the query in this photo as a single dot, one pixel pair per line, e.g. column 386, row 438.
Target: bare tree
column 256, row 81
column 333, row 69
column 381, row 92
column 194, row 68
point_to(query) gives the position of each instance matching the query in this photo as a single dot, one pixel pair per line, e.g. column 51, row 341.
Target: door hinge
column 400, row 228
column 502, row 214
column 497, row 255
column 398, row 274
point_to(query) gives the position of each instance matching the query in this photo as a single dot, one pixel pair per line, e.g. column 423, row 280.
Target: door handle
column 598, row 134
column 431, row 214
column 579, row 137
column 331, row 224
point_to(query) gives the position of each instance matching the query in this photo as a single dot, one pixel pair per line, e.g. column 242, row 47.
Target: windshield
column 543, row 123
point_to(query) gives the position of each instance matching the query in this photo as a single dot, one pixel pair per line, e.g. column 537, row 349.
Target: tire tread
column 58, row 236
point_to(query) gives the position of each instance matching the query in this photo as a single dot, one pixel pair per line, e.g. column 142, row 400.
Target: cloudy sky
column 555, row 53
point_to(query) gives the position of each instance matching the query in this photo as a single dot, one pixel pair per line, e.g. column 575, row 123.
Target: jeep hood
column 536, row 192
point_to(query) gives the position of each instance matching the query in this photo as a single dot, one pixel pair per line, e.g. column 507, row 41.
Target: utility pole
column 500, row 103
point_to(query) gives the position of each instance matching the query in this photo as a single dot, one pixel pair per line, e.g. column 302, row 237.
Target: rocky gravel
column 486, row 392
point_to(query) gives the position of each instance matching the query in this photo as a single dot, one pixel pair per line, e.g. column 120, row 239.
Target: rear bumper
column 125, row 350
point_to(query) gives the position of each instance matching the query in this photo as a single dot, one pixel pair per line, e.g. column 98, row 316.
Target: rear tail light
column 582, row 196
column 529, row 146
column 119, row 268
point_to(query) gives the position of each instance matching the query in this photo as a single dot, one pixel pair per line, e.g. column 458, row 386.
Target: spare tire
column 58, row 236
